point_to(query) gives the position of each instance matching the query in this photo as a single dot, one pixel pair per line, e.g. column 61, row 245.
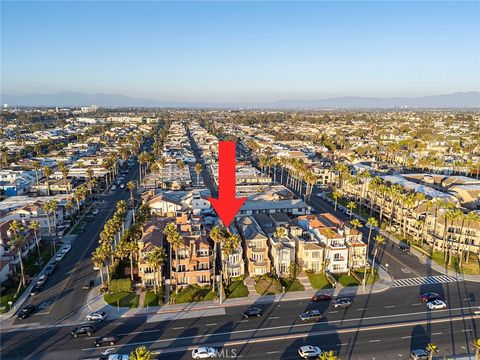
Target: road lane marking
column 437, row 333
column 274, row 317
column 333, row 312
column 179, row 328
column 389, row 306
column 273, row 352
column 376, row 340
column 466, row 330
column 290, row 336
column 213, row 324
column 406, row 337
column 416, row 304
column 362, row 309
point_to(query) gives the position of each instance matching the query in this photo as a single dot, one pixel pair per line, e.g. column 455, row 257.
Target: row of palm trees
column 393, row 202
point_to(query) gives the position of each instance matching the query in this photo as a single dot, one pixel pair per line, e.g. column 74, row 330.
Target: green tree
column 141, row 353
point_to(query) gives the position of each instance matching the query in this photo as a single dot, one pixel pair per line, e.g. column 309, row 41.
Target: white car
column 476, row 312
column 436, row 304
column 60, row 257
column 97, row 316
column 204, row 352
column 118, row 357
column 95, row 211
column 309, row 351
column 122, row 185
column 66, row 249
column 113, row 187
column 41, row 280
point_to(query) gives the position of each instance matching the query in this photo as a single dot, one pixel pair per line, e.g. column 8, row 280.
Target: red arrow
column 227, row 205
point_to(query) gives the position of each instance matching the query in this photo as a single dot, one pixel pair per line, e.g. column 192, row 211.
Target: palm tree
column 229, row 246
column 36, row 166
column 47, row 172
column 34, row 226
column 198, row 171
column 356, row 223
column 98, row 260
column 328, row 355
column 17, row 241
column 379, row 240
column 336, row 195
column 218, row 234
column 142, row 159
column 371, row 223
column 155, row 260
column 131, row 248
column 64, row 170
column 131, row 186
column 141, row 353
column 351, row 206
column 476, row 345
column 432, row 349
column 175, row 241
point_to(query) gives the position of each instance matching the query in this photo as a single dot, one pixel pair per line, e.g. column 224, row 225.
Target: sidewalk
column 95, row 300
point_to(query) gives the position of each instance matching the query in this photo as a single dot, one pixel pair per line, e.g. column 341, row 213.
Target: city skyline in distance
column 231, row 52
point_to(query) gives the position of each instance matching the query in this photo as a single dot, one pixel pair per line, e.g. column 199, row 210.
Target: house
column 255, row 244
column 168, row 203
column 152, row 238
column 16, row 182
column 234, row 263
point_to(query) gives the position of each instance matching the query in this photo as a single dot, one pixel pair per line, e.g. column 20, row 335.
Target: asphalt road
column 62, row 297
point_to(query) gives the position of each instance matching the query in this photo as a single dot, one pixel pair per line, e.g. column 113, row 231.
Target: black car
column 36, row 289
column 404, row 247
column 49, row 269
column 26, row 311
column 109, row 339
column 252, row 312
column 88, row 284
column 83, row 330
column 342, row 302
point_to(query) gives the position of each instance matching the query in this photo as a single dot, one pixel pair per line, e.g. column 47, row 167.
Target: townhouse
column 255, row 244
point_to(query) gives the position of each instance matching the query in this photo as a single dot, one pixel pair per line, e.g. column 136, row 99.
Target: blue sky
column 240, row 51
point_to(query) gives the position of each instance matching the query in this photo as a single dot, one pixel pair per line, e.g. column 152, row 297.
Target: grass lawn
column 472, row 268
column 193, row 293
column 294, row 285
column 151, row 299
column 370, row 279
column 346, row 280
column 318, row 281
column 123, row 299
column 32, row 265
column 236, row 289
column 9, row 295
column 268, row 286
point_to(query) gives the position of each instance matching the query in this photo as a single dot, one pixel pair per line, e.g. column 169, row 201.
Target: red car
column 429, row 296
column 321, row 297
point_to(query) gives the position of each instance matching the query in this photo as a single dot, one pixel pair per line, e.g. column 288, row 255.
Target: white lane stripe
column 211, row 324
column 179, row 328
column 437, row 333
column 376, row 340
column 406, row 337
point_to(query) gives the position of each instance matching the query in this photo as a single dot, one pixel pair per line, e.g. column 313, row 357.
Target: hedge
column 120, row 285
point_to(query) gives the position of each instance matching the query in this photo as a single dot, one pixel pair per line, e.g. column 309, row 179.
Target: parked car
column 419, row 354
column 476, row 312
column 252, row 312
column 83, row 330
column 114, row 187
column 89, row 218
column 204, row 352
column 321, row 297
column 309, row 352
column 42, row 280
column 66, row 248
column 95, row 211
column 97, row 316
column 311, row 315
column 88, row 284
column 404, row 247
column 49, row 269
column 36, row 289
column 122, row 185
column 26, row 311
column 342, row 302
column 108, row 339
column 59, row 257
column 429, row 296
column 436, row 305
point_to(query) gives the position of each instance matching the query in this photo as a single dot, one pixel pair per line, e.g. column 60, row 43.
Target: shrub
column 120, row 285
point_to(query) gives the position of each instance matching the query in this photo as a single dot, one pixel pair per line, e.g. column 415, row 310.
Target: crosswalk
column 440, row 279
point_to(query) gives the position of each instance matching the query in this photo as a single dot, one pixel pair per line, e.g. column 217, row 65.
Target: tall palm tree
column 34, row 226
column 141, row 353
column 47, row 171
column 131, row 187
column 156, row 259
column 17, row 240
column 132, row 249
column 98, row 260
column 379, row 240
column 229, row 246
column 432, row 349
column 198, row 171
column 336, row 195
column 371, row 223
column 218, row 235
column 351, row 206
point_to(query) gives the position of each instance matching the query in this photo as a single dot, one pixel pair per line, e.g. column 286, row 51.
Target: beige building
column 256, row 246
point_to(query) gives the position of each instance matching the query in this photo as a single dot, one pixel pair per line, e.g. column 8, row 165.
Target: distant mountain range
column 66, row 99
